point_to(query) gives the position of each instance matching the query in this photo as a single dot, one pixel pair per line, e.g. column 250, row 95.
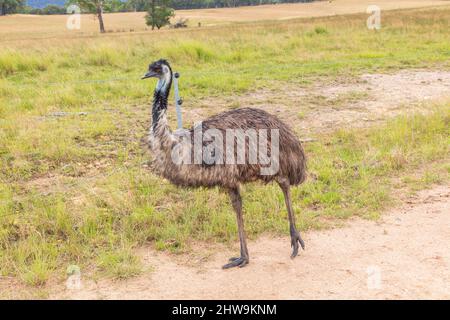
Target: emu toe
column 295, row 241
column 236, row 262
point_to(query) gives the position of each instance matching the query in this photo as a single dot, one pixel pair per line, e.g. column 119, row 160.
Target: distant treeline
column 50, row 9
column 143, row 5
column 20, row 6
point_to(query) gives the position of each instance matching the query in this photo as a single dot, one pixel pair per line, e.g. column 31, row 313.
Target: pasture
column 75, row 184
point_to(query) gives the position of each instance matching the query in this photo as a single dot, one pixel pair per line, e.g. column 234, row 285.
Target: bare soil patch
column 402, row 256
column 346, row 102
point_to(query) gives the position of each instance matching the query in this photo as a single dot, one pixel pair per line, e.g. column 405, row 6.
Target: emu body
column 164, row 143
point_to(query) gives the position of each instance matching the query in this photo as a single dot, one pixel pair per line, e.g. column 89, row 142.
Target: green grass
column 120, row 264
column 351, row 173
column 75, row 190
column 48, row 77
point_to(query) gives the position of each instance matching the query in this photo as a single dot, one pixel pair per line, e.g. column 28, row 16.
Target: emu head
column 159, row 69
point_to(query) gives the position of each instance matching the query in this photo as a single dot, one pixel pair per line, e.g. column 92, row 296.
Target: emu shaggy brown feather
column 291, row 163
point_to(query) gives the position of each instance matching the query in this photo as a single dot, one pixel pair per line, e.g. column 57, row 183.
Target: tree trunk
column 153, row 14
column 100, row 16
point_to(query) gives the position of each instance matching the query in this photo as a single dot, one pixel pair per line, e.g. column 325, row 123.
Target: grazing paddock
column 26, row 26
column 75, row 184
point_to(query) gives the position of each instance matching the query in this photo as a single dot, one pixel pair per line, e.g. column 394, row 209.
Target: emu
column 169, row 147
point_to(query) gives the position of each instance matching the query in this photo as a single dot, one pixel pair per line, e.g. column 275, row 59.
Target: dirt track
column 405, row 255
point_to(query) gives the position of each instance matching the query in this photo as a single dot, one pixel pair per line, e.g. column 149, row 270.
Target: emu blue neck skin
column 160, row 96
column 165, row 81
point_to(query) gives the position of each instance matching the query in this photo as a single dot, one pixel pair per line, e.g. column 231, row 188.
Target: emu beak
column 150, row 74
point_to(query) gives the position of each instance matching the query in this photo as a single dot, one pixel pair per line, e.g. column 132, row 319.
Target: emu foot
column 295, row 240
column 236, row 262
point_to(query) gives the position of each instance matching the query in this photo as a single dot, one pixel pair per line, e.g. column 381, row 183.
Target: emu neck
column 159, row 110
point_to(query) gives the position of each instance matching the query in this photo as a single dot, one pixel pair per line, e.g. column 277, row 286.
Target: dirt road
column 404, row 255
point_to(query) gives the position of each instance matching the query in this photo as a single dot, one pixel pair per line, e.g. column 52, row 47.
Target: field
column 75, row 187
column 19, row 27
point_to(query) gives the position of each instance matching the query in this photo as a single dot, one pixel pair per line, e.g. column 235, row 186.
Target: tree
column 93, row 6
column 159, row 14
column 10, row 6
column 116, row 6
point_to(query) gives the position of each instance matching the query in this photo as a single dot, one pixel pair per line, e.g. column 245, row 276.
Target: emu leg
column 296, row 239
column 237, row 206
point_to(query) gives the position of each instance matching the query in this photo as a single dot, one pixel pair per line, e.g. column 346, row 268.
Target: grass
column 351, row 174
column 19, row 27
column 120, row 264
column 76, row 190
column 49, row 77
